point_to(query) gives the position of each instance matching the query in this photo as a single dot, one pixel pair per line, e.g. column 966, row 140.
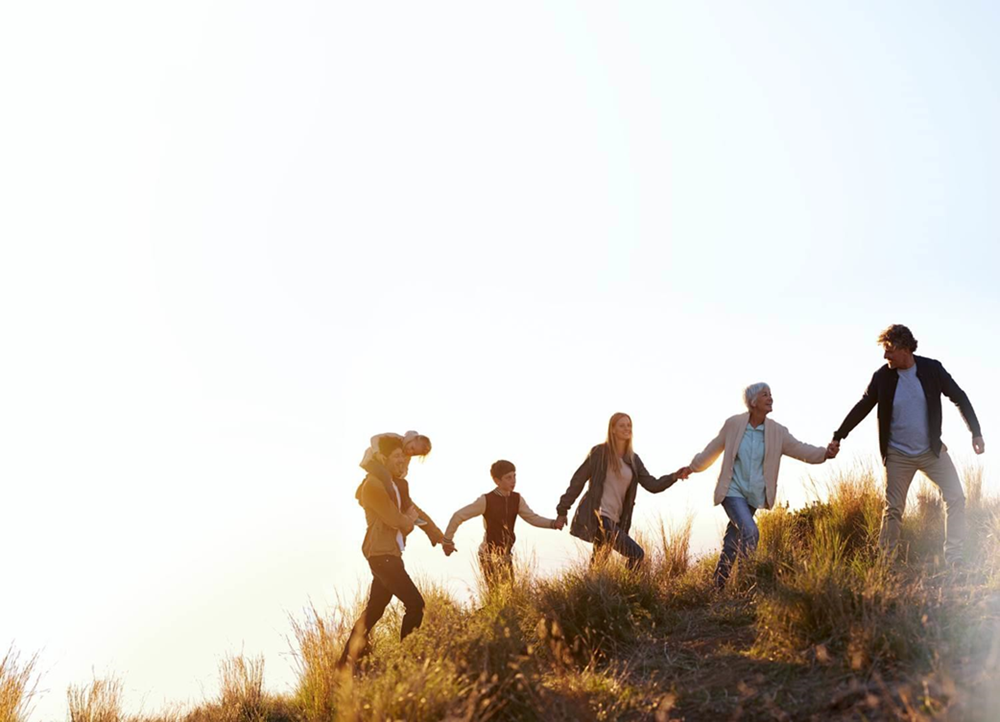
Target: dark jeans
column 741, row 535
column 497, row 566
column 389, row 579
column 610, row 536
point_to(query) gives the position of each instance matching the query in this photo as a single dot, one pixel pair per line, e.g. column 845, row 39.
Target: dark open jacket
column 882, row 390
column 594, row 468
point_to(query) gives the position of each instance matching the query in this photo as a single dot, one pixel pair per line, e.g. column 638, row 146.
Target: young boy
column 499, row 509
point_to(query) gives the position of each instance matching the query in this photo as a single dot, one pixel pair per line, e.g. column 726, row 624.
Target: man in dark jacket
column 907, row 391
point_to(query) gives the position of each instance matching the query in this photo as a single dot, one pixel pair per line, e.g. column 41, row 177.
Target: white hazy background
column 239, row 238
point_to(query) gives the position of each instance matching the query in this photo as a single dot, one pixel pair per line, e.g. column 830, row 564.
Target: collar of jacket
column 920, row 362
column 378, row 470
column 602, row 456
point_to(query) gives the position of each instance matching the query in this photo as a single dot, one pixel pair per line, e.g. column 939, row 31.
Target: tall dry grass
column 579, row 645
column 18, row 682
column 415, row 679
column 241, row 689
column 242, row 697
column 837, row 598
column 899, row 637
column 673, row 556
column 99, row 701
column 862, row 614
column 534, row 649
column 318, row 643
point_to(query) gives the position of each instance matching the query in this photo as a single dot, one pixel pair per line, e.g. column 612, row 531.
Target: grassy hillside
column 817, row 626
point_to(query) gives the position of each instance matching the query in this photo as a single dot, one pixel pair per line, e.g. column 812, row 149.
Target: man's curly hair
column 898, row 336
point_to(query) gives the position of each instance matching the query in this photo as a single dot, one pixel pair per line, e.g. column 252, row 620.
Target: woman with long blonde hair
column 614, row 472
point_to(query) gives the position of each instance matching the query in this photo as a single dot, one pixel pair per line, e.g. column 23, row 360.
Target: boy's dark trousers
column 389, row 579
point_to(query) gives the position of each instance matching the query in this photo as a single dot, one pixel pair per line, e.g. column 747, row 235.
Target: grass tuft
column 17, row 685
column 242, row 696
column 99, row 701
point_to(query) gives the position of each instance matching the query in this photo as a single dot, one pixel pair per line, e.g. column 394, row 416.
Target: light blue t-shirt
column 748, row 468
column 908, row 428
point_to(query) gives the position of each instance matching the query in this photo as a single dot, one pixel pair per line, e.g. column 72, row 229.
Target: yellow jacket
column 386, row 517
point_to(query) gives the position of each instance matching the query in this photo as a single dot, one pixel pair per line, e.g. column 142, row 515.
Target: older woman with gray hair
column 751, row 446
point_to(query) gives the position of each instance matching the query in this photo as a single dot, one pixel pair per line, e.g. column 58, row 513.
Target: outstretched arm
column 954, row 392
column 861, row 409
column 524, row 511
column 808, row 453
column 576, row 484
column 476, row 508
column 707, row 457
column 651, row 483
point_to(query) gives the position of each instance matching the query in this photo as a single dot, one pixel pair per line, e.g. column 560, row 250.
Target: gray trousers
column 899, row 471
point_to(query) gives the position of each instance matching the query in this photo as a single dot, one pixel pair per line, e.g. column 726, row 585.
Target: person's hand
column 560, row 521
column 684, row 472
column 978, row 445
column 448, row 547
column 832, row 449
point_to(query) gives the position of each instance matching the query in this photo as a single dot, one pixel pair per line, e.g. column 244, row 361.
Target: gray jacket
column 594, row 469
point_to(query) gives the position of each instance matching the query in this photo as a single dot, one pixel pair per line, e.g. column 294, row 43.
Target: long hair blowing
column 612, row 452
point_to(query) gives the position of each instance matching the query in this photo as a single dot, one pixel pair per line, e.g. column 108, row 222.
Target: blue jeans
column 741, row 537
column 610, row 534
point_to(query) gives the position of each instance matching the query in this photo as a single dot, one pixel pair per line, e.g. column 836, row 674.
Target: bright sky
column 240, row 238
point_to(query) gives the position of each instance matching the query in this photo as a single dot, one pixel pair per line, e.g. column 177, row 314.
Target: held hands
column 560, row 521
column 684, row 472
column 978, row 445
column 832, row 449
column 448, row 547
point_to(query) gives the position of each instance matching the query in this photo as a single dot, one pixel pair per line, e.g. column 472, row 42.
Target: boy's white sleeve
column 524, row 511
column 476, row 508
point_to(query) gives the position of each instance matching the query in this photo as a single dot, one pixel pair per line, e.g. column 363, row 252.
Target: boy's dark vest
column 501, row 513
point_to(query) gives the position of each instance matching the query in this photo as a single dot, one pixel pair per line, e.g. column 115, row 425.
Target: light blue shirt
column 748, row 468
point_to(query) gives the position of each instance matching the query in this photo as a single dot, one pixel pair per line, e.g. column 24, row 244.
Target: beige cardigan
column 778, row 441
